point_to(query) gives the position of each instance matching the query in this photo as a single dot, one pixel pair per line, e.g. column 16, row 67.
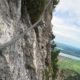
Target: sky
column 66, row 22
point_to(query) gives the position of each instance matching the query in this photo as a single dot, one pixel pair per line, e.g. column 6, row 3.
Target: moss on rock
column 35, row 9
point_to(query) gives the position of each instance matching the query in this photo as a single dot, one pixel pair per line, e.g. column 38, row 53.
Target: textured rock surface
column 27, row 58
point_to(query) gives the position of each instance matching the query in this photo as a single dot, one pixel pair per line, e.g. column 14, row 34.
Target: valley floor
column 69, row 69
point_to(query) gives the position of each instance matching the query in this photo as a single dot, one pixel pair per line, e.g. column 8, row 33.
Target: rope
column 14, row 39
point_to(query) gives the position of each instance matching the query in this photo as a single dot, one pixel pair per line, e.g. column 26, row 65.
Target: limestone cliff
column 27, row 57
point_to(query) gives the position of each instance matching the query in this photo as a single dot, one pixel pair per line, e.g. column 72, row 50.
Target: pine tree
column 54, row 58
column 54, row 61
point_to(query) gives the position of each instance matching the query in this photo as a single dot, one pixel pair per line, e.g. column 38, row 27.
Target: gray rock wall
column 27, row 58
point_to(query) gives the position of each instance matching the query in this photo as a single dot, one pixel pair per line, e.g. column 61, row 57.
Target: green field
column 69, row 64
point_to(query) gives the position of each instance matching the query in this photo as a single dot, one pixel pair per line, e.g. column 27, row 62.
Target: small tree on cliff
column 55, row 2
column 54, row 58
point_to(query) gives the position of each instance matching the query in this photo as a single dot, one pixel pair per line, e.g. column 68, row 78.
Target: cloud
column 69, row 10
column 69, row 5
column 66, row 21
column 66, row 33
column 62, row 26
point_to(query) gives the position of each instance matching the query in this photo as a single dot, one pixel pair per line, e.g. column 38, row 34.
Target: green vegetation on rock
column 54, row 62
column 54, row 59
column 35, row 9
column 47, row 73
column 55, row 2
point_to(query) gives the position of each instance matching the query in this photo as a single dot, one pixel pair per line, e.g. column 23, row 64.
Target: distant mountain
column 70, row 50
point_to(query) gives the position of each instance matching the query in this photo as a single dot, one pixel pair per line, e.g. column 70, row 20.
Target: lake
column 69, row 51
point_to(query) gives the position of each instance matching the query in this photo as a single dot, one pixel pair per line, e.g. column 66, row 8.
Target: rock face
column 27, row 58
